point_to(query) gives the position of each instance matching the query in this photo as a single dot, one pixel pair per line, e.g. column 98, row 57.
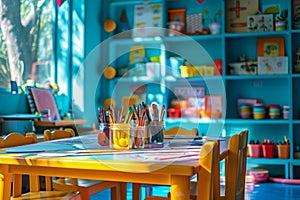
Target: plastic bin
column 254, row 150
column 268, row 150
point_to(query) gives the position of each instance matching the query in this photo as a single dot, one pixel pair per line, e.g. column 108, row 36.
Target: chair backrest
column 17, row 139
column 58, row 134
column 54, row 135
column 235, row 166
column 44, row 100
column 205, row 168
column 182, row 132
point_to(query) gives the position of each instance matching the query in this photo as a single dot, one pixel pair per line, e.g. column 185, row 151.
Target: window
column 26, row 42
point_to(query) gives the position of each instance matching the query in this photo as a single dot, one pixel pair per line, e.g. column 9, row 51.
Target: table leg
column 123, row 191
column 136, row 191
column 180, row 187
column 5, row 182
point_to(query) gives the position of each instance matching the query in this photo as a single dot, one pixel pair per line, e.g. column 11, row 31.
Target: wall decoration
column 237, row 12
column 260, row 23
column 177, row 15
column 270, row 47
column 147, row 18
column 272, row 65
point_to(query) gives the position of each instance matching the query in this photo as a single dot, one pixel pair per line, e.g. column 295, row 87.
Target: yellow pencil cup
column 119, row 136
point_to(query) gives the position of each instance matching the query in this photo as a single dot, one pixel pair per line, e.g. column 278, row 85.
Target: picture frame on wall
column 177, row 15
column 270, row 46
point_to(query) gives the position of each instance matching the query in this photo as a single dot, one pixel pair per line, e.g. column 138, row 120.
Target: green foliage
column 4, row 68
column 41, row 33
column 283, row 16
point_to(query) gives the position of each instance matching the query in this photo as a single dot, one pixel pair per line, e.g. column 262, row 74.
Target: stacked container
column 259, row 111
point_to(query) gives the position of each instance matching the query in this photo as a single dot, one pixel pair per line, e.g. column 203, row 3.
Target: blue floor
column 254, row 191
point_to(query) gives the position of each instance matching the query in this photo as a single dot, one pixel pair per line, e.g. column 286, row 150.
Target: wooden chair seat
column 17, row 139
column 85, row 187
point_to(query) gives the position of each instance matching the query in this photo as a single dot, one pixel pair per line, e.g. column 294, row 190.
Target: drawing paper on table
column 40, row 147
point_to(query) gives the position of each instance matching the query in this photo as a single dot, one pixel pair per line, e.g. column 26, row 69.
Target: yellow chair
column 235, row 168
column 235, row 171
column 234, row 158
column 170, row 133
column 17, row 139
column 205, row 173
column 85, row 187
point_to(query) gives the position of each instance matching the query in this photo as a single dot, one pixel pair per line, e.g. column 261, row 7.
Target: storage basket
column 187, row 71
column 283, row 150
column 268, row 150
column 254, row 150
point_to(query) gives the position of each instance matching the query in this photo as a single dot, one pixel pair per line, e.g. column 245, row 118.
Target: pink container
column 258, row 175
column 254, row 150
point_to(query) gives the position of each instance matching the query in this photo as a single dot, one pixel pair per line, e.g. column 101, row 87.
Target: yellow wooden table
column 82, row 157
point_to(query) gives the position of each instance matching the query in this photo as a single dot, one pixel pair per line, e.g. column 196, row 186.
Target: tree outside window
column 26, row 41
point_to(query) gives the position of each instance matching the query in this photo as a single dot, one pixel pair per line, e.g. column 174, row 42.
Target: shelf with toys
column 260, row 64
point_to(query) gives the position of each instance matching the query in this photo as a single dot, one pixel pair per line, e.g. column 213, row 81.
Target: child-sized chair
column 17, row 139
column 235, row 173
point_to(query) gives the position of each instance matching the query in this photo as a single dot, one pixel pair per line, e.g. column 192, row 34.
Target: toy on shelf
column 123, row 24
column 243, row 67
column 214, row 23
column 297, row 65
column 281, row 20
column 296, row 14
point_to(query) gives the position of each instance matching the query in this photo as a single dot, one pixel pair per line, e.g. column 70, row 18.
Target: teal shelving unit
column 282, row 89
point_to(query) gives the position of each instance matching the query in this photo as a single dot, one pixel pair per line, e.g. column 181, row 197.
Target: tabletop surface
column 85, row 152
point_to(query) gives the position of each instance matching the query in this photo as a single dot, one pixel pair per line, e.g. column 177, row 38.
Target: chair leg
column 34, row 183
column 84, row 194
column 123, row 191
column 114, row 193
column 17, row 185
column 136, row 191
column 148, row 190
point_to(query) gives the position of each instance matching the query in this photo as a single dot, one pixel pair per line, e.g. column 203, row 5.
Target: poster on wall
column 237, row 12
column 147, row 18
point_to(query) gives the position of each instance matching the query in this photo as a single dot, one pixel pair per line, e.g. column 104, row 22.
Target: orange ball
column 109, row 72
column 109, row 25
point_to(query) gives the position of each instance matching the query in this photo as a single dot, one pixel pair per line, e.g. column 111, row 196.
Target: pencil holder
column 103, row 135
column 119, row 136
column 268, row 150
column 137, row 137
column 156, row 129
column 254, row 150
column 283, row 151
